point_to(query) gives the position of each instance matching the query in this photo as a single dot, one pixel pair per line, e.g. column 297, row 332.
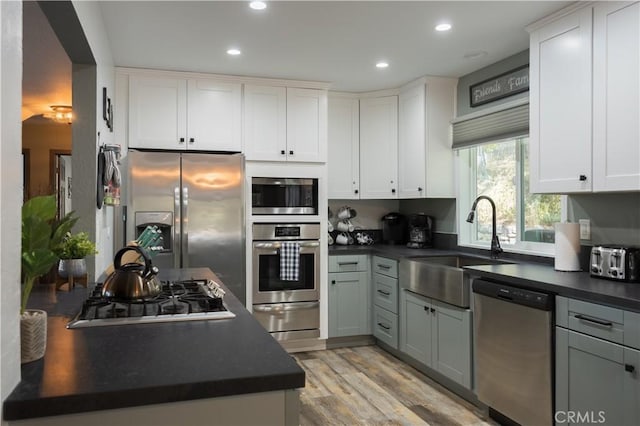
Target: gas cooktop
column 189, row 300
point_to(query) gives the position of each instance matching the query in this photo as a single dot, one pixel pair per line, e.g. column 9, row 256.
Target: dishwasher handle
column 510, row 294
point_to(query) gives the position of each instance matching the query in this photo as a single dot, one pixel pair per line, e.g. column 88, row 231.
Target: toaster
column 615, row 263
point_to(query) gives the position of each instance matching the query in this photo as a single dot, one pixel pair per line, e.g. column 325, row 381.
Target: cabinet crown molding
column 302, row 84
column 559, row 14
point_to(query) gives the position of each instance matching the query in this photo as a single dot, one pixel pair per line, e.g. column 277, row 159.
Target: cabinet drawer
column 385, row 326
column 385, row 292
column 384, row 266
column 596, row 320
column 350, row 263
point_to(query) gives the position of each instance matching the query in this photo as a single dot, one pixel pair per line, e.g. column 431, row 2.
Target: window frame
column 466, row 165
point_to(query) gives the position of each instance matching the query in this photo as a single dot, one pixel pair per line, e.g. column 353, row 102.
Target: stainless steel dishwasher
column 513, row 331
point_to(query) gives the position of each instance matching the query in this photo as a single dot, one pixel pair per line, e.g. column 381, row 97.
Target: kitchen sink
column 441, row 277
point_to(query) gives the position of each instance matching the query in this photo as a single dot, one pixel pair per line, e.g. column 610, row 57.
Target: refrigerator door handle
column 185, row 230
column 177, row 219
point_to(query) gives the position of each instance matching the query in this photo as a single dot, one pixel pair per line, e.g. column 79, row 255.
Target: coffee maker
column 420, row 231
column 394, row 228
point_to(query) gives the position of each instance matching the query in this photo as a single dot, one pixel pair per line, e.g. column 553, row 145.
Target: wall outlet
column 585, row 229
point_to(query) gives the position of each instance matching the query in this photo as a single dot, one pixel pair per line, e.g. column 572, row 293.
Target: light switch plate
column 585, row 229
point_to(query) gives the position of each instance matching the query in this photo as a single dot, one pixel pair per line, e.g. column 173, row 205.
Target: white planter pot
column 33, row 335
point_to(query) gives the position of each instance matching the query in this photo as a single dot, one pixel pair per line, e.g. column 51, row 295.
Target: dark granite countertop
column 578, row 285
column 396, row 252
column 101, row 368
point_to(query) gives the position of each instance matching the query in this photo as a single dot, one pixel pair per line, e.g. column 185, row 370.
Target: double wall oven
column 288, row 309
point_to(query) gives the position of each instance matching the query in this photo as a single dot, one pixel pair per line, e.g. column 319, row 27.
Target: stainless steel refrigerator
column 196, row 200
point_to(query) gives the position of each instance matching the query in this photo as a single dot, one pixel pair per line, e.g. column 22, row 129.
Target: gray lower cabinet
column 384, row 289
column 597, row 381
column 349, row 295
column 348, row 304
column 597, row 364
column 437, row 335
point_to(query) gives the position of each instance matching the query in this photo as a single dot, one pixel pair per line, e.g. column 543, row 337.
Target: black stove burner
column 175, row 298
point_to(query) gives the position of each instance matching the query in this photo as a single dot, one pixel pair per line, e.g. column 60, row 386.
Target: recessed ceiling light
column 443, row 27
column 234, row 52
column 382, row 64
column 258, row 5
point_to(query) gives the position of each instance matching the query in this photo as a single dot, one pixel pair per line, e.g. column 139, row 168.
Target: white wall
column 10, row 191
column 99, row 223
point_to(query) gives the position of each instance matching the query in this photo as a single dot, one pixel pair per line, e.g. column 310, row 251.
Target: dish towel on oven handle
column 289, row 261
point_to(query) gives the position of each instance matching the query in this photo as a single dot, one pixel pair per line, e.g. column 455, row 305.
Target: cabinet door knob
column 282, row 152
column 355, row 192
column 433, row 310
column 291, row 152
column 393, row 191
column 419, row 189
column 583, row 178
column 192, row 140
column 333, row 281
column 630, row 368
column 181, row 140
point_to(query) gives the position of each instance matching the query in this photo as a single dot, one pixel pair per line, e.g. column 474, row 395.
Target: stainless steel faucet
column 495, row 243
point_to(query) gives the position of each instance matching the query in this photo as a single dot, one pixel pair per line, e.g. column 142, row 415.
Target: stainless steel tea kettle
column 131, row 280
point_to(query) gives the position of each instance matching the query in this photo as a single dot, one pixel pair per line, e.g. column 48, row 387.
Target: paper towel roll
column 567, row 247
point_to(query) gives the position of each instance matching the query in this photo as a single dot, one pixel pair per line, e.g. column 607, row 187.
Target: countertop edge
column 68, row 404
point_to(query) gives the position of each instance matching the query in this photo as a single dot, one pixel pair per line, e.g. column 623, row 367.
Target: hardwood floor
column 367, row 386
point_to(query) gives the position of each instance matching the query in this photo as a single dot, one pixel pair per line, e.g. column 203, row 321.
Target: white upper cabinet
column 560, row 105
column 265, row 123
column 306, row 125
column 585, row 101
column 425, row 158
column 616, row 97
column 343, row 162
column 412, row 175
column 214, row 115
column 285, row 124
column 178, row 113
column 379, row 147
column 157, row 112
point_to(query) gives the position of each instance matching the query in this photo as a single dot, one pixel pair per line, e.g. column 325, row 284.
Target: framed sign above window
column 501, row 86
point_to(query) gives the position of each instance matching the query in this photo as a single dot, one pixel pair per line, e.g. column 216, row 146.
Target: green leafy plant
column 42, row 236
column 76, row 246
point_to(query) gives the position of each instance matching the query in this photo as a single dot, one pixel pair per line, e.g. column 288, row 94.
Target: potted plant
column 72, row 251
column 41, row 236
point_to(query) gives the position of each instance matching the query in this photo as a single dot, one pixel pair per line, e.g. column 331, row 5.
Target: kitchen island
column 228, row 371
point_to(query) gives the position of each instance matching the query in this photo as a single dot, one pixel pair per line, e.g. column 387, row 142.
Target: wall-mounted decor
column 107, row 109
column 501, row 86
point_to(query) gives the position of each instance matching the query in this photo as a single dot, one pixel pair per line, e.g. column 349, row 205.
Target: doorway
column 61, row 180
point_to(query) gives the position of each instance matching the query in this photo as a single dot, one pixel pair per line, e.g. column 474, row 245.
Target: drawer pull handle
column 384, row 326
column 347, row 263
column 593, row 320
column 630, row 368
column 383, row 266
column 384, row 292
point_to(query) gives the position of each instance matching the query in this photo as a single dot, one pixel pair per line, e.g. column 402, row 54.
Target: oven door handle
column 281, row 307
column 304, row 244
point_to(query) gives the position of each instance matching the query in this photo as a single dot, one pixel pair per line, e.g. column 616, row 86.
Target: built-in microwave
column 284, row 196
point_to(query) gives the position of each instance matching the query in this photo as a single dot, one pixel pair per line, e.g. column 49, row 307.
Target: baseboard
column 349, row 341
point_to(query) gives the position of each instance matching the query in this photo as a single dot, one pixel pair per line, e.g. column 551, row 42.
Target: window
column 500, row 170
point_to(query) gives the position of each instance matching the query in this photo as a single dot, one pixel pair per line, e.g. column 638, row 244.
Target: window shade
column 504, row 124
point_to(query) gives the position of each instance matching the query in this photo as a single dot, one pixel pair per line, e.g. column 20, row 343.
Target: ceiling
column 331, row 41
